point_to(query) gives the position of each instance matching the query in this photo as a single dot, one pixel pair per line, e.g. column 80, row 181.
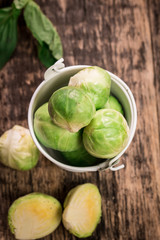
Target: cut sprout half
column 82, row 210
column 34, row 216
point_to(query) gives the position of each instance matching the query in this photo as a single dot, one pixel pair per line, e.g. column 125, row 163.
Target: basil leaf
column 42, row 29
column 4, row 14
column 45, row 55
column 8, row 33
column 19, row 4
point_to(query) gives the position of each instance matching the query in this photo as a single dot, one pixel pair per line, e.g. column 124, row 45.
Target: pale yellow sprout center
column 33, row 218
column 80, row 216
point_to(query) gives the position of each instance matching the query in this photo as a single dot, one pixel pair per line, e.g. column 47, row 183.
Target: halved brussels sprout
column 113, row 103
column 52, row 136
column 82, row 210
column 34, row 216
column 96, row 82
column 107, row 134
column 17, row 149
column 71, row 108
column 80, row 158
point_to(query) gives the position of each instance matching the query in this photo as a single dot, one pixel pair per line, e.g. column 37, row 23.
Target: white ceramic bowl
column 54, row 79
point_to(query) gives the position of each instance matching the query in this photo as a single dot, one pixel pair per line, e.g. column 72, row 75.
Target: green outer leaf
column 71, row 108
column 80, row 158
column 107, row 134
column 19, row 4
column 8, row 33
column 45, row 55
column 42, row 29
column 96, row 82
column 113, row 103
column 52, row 136
column 4, row 14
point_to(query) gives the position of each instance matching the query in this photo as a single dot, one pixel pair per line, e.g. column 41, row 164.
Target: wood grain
column 122, row 37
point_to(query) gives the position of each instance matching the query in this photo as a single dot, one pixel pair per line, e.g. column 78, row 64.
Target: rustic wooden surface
column 123, row 37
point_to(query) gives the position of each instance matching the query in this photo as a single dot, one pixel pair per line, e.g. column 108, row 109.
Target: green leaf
column 5, row 14
column 45, row 55
column 19, row 4
column 8, row 33
column 42, row 29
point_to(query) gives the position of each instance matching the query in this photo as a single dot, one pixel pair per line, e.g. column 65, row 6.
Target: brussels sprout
column 71, row 108
column 107, row 134
column 52, row 136
column 80, row 158
column 17, row 149
column 96, row 82
column 113, row 103
column 34, row 216
column 82, row 210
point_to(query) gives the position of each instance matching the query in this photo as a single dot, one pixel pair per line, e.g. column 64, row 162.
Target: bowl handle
column 111, row 166
column 54, row 69
column 112, row 163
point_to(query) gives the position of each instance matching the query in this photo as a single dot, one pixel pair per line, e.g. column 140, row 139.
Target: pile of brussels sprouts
column 82, row 120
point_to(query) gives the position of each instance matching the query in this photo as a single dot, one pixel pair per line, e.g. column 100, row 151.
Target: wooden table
column 124, row 38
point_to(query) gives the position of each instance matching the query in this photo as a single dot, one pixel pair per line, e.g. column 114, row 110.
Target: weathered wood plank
column 153, row 11
column 119, row 36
